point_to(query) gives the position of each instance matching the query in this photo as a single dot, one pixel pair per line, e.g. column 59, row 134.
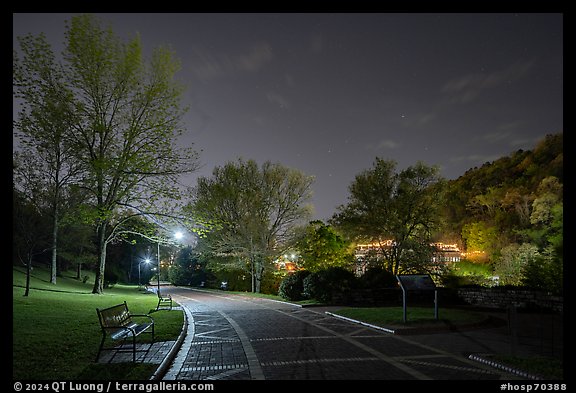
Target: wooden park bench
column 118, row 323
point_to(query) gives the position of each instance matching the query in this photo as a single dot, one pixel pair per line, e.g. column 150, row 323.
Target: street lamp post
column 158, row 268
column 178, row 235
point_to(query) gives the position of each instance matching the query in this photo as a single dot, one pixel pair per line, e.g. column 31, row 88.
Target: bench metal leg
column 100, row 348
column 119, row 348
column 134, row 348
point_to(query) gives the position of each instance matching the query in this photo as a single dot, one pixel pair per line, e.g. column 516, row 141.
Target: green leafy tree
column 545, row 272
column 292, row 286
column 487, row 204
column 480, row 236
column 131, row 117
column 511, row 264
column 324, row 284
column 501, row 193
column 248, row 213
column 45, row 165
column 77, row 246
column 549, row 195
column 396, row 210
column 518, row 202
column 321, row 247
column 123, row 119
column 546, row 232
column 187, row 268
column 29, row 239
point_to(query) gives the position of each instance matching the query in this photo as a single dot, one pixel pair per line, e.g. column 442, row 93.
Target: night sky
column 327, row 93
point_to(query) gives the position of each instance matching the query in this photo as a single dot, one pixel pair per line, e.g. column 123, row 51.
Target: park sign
column 417, row 282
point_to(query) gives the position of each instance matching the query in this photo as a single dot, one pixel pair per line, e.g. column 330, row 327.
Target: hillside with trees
column 508, row 214
column 505, row 216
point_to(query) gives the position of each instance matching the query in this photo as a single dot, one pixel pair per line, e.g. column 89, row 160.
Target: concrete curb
column 163, row 367
column 503, row 367
column 360, row 322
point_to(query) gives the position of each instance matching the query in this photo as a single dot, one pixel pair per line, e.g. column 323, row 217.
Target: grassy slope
column 56, row 333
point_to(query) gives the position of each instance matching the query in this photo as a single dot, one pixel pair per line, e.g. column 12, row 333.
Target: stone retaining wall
column 502, row 298
column 497, row 298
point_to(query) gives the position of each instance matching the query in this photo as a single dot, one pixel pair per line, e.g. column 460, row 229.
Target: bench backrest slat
column 115, row 316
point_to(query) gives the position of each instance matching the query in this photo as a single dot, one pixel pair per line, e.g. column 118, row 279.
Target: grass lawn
column 541, row 366
column 416, row 316
column 56, row 333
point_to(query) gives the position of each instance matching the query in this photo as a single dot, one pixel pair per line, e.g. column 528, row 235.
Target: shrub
column 237, row 280
column 544, row 273
column 452, row 280
column 271, row 282
column 310, row 286
column 322, row 284
column 468, row 273
column 179, row 275
column 378, row 277
column 292, row 287
column 511, row 265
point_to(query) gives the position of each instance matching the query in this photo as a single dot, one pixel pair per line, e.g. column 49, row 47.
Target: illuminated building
column 444, row 252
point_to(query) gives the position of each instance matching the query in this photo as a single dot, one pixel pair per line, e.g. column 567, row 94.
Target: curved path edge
column 169, row 358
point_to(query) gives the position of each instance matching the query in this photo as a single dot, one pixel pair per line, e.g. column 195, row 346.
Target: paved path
column 240, row 338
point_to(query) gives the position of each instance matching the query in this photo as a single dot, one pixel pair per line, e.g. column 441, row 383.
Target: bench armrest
column 143, row 315
column 119, row 331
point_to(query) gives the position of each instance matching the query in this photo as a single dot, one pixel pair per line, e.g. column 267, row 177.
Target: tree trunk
column 258, row 279
column 253, row 276
column 258, row 270
column 54, row 271
column 99, row 280
column 28, row 271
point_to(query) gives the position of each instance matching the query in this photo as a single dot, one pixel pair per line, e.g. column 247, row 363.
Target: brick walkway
column 233, row 337
column 212, row 349
column 236, row 338
column 145, row 353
